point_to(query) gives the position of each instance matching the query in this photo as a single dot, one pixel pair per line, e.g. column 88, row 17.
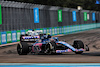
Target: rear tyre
column 78, row 44
column 22, row 48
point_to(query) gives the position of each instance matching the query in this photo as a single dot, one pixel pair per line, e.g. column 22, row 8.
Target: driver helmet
column 48, row 33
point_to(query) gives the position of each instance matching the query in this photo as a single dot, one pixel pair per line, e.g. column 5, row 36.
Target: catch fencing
column 20, row 16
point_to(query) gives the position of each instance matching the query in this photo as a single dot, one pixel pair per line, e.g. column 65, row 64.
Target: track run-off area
column 91, row 38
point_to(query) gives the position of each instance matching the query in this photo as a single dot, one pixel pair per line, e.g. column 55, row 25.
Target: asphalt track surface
column 90, row 38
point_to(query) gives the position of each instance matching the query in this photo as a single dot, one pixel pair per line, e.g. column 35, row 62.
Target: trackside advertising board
column 9, row 40
column 55, row 30
column 74, row 16
column 0, row 37
column 64, row 29
column 36, row 15
column 0, row 15
column 22, row 32
column 3, row 38
column 97, row 2
column 85, row 16
column 59, row 15
column 50, row 30
column 44, row 30
column 93, row 16
column 26, row 30
column 47, row 30
column 14, row 36
column 58, row 30
column 18, row 35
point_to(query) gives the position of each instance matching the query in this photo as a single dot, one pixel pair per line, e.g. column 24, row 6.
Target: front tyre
column 78, row 44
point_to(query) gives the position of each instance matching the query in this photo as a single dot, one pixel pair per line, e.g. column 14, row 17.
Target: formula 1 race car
column 45, row 44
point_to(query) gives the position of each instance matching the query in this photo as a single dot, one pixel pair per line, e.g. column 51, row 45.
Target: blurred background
column 86, row 4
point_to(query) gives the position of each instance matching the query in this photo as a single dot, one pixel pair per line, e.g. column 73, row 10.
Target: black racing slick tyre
column 78, row 44
column 22, row 48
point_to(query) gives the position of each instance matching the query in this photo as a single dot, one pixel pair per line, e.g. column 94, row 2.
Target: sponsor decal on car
column 36, row 36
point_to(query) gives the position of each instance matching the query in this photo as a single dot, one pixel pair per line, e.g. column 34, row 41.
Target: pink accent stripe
column 8, row 44
column 68, row 50
column 80, row 49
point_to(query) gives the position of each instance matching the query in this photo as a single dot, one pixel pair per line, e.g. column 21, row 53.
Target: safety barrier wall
column 69, row 29
column 14, row 36
column 11, row 36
